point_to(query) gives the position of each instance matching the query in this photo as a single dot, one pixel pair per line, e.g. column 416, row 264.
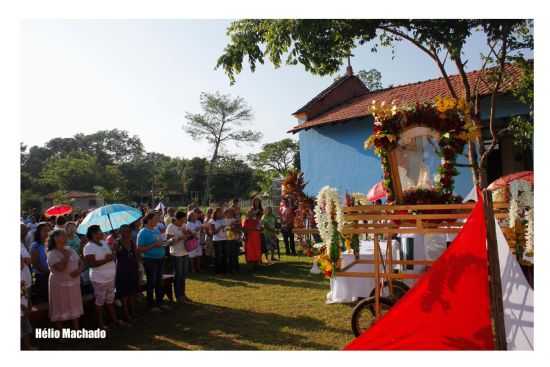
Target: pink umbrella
column 377, row 192
column 505, row 180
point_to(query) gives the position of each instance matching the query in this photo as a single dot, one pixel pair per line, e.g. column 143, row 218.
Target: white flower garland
column 530, row 234
column 522, row 201
column 328, row 202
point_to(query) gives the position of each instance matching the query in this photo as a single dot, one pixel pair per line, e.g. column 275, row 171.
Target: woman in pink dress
column 65, row 299
column 253, row 239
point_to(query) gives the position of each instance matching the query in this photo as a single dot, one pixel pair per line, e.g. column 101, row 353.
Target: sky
column 81, row 76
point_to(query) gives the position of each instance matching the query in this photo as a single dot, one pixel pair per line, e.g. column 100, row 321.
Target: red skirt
column 253, row 247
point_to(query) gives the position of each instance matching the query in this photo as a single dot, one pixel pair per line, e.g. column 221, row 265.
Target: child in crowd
column 269, row 223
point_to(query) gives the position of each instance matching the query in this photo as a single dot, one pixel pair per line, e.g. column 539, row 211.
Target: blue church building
column 334, row 125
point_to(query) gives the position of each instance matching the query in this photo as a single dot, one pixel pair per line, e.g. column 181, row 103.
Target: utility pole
column 495, row 286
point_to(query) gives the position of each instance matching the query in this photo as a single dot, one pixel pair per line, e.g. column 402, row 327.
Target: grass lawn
column 277, row 307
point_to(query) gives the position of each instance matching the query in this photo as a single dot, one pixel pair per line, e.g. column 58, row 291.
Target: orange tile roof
column 405, row 94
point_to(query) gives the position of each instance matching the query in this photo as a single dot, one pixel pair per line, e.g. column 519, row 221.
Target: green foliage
column 194, row 177
column 115, row 195
column 108, row 146
column 279, row 157
column 522, row 128
column 232, row 178
column 322, row 45
column 30, row 199
column 122, row 173
column 75, row 171
column 372, row 79
column 60, row 197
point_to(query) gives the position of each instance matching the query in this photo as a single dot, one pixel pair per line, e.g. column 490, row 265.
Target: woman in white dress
column 194, row 226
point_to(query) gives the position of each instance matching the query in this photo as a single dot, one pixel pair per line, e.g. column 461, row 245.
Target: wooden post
column 389, row 257
column 376, row 276
column 495, row 287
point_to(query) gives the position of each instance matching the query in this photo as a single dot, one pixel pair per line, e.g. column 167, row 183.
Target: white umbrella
column 160, row 206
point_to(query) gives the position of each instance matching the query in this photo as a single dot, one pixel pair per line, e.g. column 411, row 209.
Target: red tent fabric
column 506, row 180
column 448, row 308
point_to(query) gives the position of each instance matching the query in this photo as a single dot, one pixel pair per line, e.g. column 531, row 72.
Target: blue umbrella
column 109, row 218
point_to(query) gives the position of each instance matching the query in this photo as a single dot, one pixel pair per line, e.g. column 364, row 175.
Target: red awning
column 505, row 180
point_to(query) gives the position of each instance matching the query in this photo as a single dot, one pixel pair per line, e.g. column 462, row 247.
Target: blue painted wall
column 334, row 155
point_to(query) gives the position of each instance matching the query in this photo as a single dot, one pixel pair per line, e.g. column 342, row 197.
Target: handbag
column 191, row 244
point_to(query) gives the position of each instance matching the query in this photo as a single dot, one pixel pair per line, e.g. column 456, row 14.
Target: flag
column 448, row 308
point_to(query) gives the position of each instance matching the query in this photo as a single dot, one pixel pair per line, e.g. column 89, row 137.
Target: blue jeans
column 153, row 271
column 181, row 268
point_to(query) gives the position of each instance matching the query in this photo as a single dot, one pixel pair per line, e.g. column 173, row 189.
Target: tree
column 219, row 124
column 194, row 177
column 521, row 127
column 372, row 79
column 76, row 171
column 322, row 45
column 108, row 146
column 170, row 174
column 30, row 199
column 232, row 178
column 278, row 157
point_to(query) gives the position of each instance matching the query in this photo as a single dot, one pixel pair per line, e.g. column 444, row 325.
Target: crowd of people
column 60, row 266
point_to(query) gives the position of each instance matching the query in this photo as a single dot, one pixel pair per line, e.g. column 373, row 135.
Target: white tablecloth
column 347, row 289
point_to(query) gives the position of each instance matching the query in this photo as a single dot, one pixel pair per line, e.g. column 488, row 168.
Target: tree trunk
column 209, row 171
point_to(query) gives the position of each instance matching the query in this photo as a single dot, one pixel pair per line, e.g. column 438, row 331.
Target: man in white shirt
column 177, row 233
column 99, row 257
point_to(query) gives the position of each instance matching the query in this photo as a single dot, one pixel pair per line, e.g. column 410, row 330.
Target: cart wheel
column 398, row 291
column 363, row 315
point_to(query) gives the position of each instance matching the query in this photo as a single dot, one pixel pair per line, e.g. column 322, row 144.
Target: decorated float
column 418, row 146
column 304, row 226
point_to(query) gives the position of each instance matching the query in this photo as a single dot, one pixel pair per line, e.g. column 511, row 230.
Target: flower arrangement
column 330, row 220
column 520, row 231
column 328, row 213
column 449, row 117
column 307, row 247
column 325, row 264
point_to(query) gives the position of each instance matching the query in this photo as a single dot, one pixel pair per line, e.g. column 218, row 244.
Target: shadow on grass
column 286, row 274
column 208, row 327
column 217, row 327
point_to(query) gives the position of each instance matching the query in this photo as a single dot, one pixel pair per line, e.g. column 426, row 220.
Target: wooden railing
column 389, row 220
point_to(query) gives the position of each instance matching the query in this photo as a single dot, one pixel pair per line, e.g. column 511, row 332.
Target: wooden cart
column 385, row 222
